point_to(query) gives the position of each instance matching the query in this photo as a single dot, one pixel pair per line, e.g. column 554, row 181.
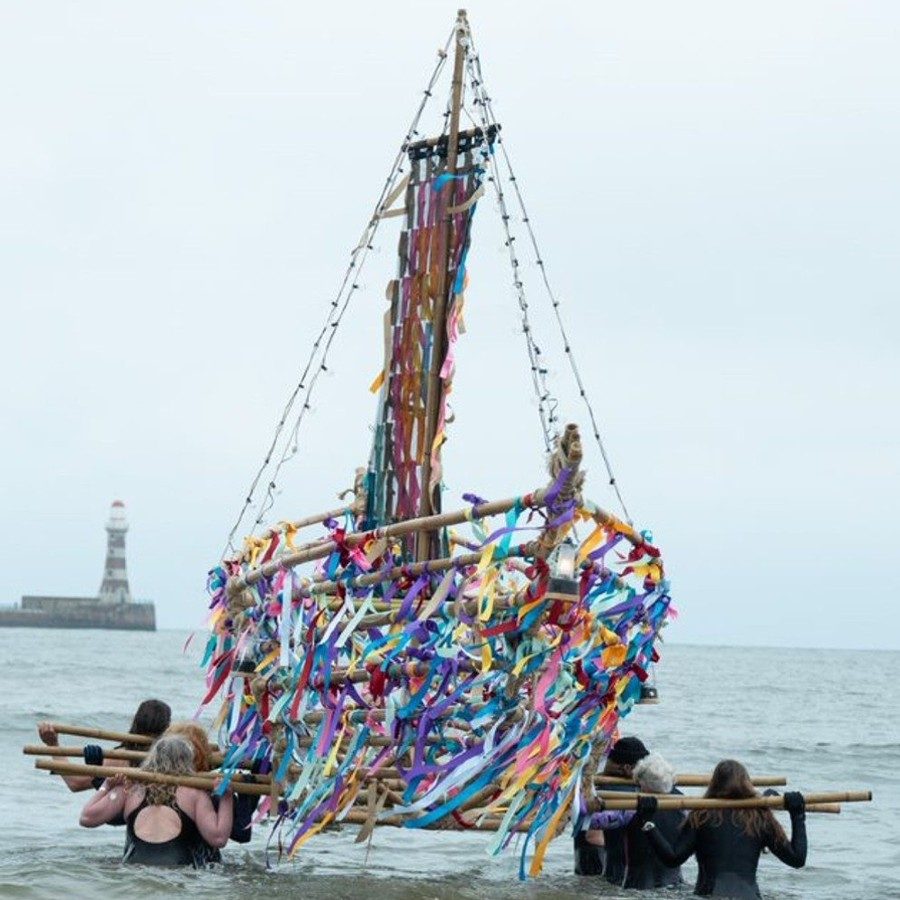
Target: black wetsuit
column 187, row 848
column 614, row 841
column 643, row 867
column 727, row 856
column 589, row 858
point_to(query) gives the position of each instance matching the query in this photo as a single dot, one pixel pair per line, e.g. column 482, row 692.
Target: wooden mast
column 430, row 502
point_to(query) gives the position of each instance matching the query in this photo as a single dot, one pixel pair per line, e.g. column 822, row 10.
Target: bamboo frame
column 532, row 500
column 398, row 529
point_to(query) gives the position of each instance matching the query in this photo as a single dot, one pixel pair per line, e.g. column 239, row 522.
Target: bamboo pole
column 430, row 501
column 200, row 781
column 44, row 750
column 102, row 734
column 532, row 500
column 138, row 756
column 671, row 801
column 695, row 780
column 314, row 519
column 398, row 529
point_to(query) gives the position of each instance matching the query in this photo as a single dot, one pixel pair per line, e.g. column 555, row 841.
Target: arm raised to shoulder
column 213, row 824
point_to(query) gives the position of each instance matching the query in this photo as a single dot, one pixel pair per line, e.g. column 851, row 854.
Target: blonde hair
column 169, row 755
column 654, row 775
column 196, row 735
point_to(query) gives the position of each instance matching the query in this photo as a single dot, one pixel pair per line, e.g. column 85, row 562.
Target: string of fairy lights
column 349, row 285
column 482, row 102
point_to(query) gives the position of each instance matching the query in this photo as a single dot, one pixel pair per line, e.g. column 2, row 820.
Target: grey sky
column 715, row 187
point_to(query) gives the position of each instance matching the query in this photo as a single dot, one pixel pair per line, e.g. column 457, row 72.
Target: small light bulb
column 565, row 561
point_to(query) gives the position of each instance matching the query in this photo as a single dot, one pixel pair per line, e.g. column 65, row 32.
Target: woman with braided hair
column 167, row 825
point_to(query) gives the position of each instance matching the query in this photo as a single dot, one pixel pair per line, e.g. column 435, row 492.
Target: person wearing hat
column 602, row 851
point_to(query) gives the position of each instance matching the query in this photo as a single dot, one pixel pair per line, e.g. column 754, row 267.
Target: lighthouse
column 114, row 588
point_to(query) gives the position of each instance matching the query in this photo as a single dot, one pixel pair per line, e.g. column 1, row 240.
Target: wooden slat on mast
column 430, row 501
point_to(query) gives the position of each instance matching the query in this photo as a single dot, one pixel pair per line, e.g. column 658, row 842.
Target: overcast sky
column 715, row 187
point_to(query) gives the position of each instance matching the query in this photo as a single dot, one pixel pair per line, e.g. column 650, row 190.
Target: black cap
column 627, row 751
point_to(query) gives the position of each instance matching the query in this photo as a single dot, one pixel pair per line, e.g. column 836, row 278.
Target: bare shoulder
column 189, row 797
column 133, row 798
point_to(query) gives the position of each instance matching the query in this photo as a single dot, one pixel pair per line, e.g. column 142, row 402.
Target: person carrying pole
column 728, row 843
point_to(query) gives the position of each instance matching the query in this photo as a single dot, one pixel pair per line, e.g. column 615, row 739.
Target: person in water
column 151, row 719
column 244, row 804
column 728, row 843
column 602, row 852
column 644, row 870
column 167, row 825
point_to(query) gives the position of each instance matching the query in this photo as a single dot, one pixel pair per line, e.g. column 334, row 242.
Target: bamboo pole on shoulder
column 671, row 801
column 697, row 780
column 261, row 785
column 78, row 752
column 202, row 782
column 136, row 756
column 103, row 734
column 391, row 776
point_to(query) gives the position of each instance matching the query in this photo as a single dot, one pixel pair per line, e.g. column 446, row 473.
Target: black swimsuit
column 187, row 848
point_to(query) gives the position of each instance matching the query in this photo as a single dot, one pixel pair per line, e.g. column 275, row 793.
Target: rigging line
column 485, row 102
column 362, row 248
column 547, row 404
column 365, row 241
column 291, row 447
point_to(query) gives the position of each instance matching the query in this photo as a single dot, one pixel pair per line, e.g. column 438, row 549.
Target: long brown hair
column 730, row 781
column 151, row 718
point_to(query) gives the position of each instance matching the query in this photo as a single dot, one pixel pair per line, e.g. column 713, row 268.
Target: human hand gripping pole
column 93, row 754
column 646, row 810
column 794, row 804
column 47, row 733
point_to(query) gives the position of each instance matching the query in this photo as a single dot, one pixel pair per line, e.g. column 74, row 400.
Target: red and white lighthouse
column 114, row 588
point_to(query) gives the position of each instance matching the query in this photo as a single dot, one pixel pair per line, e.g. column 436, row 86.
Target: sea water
column 827, row 719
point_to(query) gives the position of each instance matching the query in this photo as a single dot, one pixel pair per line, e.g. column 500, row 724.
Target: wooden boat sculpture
column 395, row 670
